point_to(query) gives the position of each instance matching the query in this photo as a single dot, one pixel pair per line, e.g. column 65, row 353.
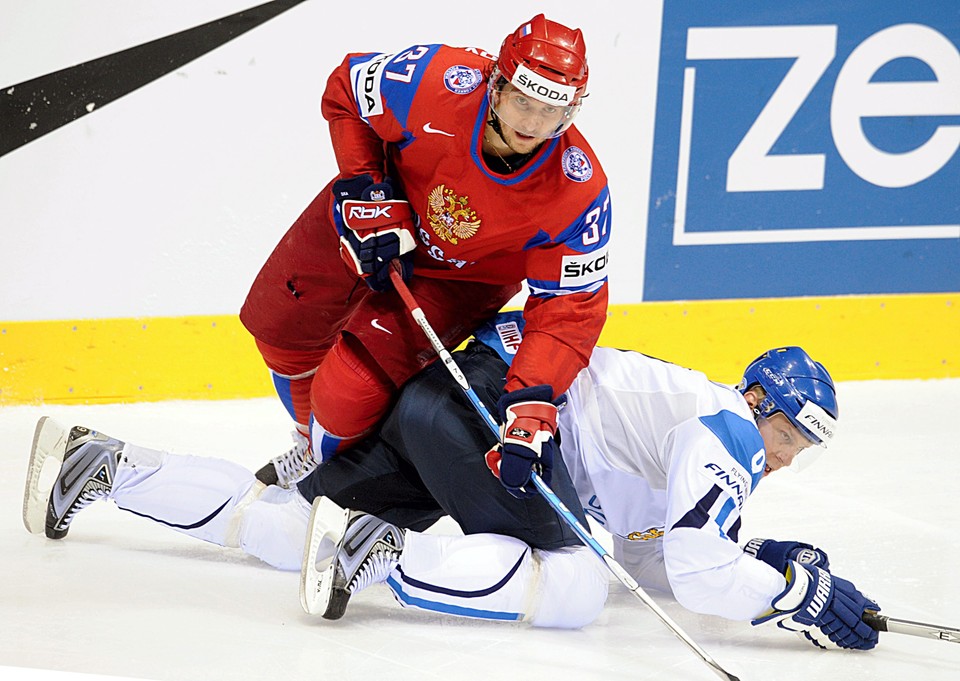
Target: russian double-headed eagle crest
column 450, row 216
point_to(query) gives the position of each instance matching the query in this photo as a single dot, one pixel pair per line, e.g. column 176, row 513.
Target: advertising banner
column 806, row 148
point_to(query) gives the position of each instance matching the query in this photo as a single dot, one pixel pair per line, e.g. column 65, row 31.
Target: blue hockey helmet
column 797, row 387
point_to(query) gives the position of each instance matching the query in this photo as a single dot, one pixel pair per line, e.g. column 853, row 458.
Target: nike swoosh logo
column 79, row 90
column 428, row 128
column 375, row 323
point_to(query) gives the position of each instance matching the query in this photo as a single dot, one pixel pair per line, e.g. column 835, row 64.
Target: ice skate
column 367, row 549
column 88, row 463
column 290, row 467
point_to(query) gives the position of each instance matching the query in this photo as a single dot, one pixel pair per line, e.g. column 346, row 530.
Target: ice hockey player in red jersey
column 467, row 169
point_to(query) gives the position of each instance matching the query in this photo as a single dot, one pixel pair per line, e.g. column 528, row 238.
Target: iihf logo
column 462, row 80
column 510, row 336
column 576, row 165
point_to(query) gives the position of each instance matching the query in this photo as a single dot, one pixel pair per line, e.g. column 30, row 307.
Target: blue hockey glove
column 822, row 608
column 374, row 229
column 526, row 438
column 777, row 554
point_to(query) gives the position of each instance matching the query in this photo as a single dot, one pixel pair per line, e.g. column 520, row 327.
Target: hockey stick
column 548, row 494
column 893, row 625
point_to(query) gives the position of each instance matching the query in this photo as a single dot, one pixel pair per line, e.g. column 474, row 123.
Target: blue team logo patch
column 462, row 80
column 576, row 165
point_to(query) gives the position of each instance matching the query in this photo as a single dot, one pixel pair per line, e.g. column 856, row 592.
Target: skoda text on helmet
column 542, row 61
column 797, row 387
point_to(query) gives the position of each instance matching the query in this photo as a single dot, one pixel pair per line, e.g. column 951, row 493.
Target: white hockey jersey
column 664, row 459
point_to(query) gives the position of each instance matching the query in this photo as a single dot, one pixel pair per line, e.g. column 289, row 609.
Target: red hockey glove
column 376, row 229
column 526, row 438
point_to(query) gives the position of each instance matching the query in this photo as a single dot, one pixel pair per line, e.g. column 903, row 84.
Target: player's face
column 527, row 121
column 781, row 440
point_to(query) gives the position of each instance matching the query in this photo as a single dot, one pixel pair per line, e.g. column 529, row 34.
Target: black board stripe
column 31, row 109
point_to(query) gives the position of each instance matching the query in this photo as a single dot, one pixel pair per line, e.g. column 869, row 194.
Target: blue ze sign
column 803, row 149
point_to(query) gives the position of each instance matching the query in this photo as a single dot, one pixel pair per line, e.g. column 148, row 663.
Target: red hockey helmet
column 545, row 61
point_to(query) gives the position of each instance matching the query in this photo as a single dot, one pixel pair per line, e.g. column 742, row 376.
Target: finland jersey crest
column 576, row 164
column 462, row 80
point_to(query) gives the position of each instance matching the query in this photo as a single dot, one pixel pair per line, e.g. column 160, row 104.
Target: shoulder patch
column 742, row 441
column 730, row 480
column 503, row 334
column 462, row 80
column 576, row 164
column 366, row 76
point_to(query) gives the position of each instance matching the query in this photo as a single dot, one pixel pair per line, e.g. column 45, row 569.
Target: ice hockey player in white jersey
column 665, row 459
column 648, row 447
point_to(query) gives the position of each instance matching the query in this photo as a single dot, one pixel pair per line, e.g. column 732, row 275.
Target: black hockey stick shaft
column 893, row 625
column 548, row 494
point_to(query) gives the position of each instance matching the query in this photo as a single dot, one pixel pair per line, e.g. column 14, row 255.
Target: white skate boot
column 367, row 549
column 88, row 463
column 290, row 467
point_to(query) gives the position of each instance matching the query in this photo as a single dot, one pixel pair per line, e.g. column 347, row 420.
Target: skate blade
column 49, row 442
column 327, row 520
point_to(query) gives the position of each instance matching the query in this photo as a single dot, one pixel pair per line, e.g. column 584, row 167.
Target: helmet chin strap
column 518, row 160
column 494, row 123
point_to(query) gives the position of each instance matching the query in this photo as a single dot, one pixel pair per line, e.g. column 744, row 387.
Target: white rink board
column 124, row 597
column 192, row 179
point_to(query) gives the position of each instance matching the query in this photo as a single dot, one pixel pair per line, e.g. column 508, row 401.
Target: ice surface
column 124, row 597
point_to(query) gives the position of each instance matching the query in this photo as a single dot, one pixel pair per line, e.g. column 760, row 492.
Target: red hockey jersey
column 419, row 117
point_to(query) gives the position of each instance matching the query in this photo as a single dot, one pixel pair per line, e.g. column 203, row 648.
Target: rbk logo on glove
column 367, row 216
column 377, row 229
column 368, row 211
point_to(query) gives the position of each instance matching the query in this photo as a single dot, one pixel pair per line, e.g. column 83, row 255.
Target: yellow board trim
column 213, row 357
column 856, row 337
column 129, row 360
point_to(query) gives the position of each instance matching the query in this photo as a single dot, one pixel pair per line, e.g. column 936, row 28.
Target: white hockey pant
column 483, row 576
column 493, row 577
column 215, row 500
